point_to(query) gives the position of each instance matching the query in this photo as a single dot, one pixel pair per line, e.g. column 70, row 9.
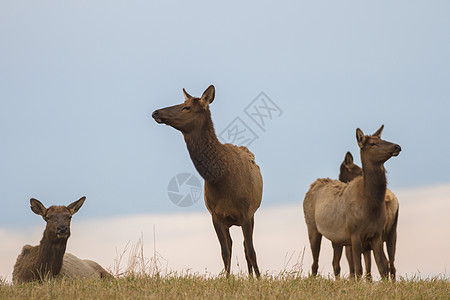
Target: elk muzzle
column 62, row 231
column 396, row 150
column 157, row 117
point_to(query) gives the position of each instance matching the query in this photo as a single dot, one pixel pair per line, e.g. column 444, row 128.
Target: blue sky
column 79, row 80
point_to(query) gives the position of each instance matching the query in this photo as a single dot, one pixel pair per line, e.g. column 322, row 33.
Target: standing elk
column 348, row 172
column 49, row 259
column 233, row 181
column 354, row 212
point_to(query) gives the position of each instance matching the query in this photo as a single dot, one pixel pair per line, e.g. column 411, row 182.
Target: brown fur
column 74, row 267
column 233, row 181
column 348, row 172
column 352, row 213
column 49, row 259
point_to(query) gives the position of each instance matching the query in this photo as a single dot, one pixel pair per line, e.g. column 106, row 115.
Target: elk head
column 189, row 115
column 374, row 149
column 57, row 218
column 349, row 170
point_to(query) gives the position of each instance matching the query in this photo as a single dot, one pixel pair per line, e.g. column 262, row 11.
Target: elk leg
column 380, row 258
column 223, row 234
column 249, row 263
column 230, row 246
column 337, row 254
column 368, row 262
column 315, row 239
column 391, row 243
column 247, row 230
column 356, row 253
column 349, row 254
column 391, row 254
column 247, row 258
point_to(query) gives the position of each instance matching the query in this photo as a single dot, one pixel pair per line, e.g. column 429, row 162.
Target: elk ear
column 186, row 95
column 75, row 206
column 348, row 161
column 360, row 138
column 208, row 96
column 379, row 131
column 37, row 207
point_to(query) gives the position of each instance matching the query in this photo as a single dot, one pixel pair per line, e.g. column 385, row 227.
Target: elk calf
column 49, row 259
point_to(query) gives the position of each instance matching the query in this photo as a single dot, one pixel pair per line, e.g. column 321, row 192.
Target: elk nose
column 398, row 148
column 155, row 113
column 62, row 229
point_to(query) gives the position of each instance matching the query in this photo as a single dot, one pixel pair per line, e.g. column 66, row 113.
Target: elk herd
column 357, row 211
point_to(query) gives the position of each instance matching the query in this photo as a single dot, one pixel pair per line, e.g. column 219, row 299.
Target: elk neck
column 51, row 255
column 374, row 183
column 206, row 151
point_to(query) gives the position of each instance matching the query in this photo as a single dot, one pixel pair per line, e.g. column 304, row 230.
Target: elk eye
column 186, row 108
column 372, row 144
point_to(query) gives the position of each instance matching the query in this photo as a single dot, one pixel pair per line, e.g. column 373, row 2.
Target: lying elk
column 350, row 214
column 233, row 181
column 348, row 172
column 49, row 259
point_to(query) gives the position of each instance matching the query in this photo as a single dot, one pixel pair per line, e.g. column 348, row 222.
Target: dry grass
column 144, row 278
column 236, row 287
